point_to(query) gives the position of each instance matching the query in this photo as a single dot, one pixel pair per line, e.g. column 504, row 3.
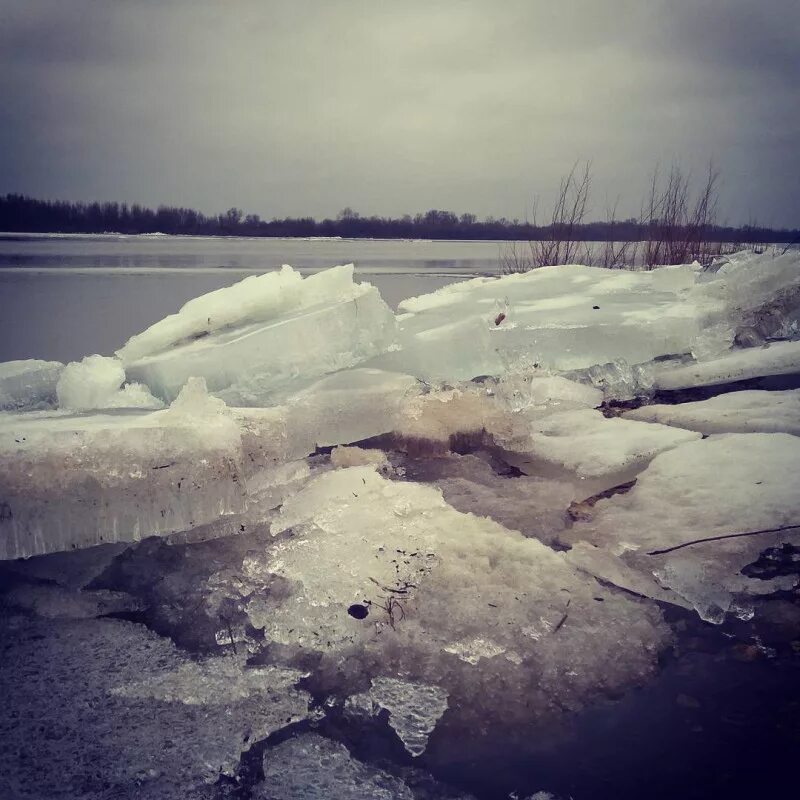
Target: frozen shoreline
column 430, row 529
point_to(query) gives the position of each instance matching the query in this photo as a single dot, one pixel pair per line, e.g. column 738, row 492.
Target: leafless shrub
column 617, row 253
column 676, row 228
column 559, row 244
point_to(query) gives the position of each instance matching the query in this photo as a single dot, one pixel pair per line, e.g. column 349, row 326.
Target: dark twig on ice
column 723, row 536
column 563, row 619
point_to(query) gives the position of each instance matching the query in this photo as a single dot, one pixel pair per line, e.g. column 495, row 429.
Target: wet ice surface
column 336, row 564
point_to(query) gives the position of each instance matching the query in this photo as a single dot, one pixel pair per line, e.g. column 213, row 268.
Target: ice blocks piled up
column 518, row 365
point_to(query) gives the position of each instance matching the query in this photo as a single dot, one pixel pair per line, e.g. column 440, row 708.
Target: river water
column 68, row 295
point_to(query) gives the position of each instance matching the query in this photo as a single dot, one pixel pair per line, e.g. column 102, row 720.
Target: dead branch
column 722, row 536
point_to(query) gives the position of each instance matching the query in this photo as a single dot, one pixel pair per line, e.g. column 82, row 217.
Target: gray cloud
column 305, row 107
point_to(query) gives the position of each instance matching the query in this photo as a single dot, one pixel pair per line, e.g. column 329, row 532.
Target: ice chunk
column 777, row 358
column 610, row 568
column 95, row 383
column 454, row 350
column 310, row 767
column 437, row 417
column 324, row 324
column 591, row 446
column 385, row 573
column 544, row 394
column 734, row 412
column 74, row 481
column 414, row 709
column 28, row 385
column 256, row 298
column 565, row 318
column 749, row 281
column 694, row 581
column 474, row 649
column 571, row 318
column 678, row 521
column 196, row 468
column 100, row 690
column 350, row 406
column 218, row 681
column 618, row 380
column 347, row 407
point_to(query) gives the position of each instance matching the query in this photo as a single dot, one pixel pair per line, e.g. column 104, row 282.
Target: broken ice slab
column 605, row 566
column 589, row 448
column 28, row 385
column 777, row 358
column 349, row 406
column 564, row 318
column 55, row 602
column 702, row 512
column 346, row 407
column 763, row 289
column 72, row 570
column 532, row 393
column 455, row 350
column 617, row 380
column 96, row 382
column 74, row 481
column 256, row 298
column 311, row 767
column 327, row 323
column 116, row 699
column 218, row 681
column 414, row 709
column 388, row 577
column 735, row 412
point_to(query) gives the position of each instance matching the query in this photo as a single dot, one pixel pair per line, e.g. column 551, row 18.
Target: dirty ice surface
column 379, row 539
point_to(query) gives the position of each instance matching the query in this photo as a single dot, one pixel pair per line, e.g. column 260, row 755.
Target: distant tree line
column 28, row 215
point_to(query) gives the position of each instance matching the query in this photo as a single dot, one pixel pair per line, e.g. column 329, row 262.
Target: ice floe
column 28, row 385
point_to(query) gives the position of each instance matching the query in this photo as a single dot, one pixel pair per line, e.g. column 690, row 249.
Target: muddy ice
column 287, row 544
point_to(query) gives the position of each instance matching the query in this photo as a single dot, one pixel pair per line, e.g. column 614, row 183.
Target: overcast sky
column 302, row 108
